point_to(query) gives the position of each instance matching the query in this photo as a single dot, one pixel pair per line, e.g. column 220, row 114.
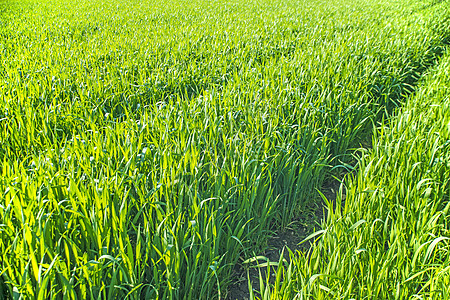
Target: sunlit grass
column 147, row 147
column 390, row 238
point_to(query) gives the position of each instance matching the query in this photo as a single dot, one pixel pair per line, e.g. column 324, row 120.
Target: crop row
column 147, row 147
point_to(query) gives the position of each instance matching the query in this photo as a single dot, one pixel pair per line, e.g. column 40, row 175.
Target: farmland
column 149, row 149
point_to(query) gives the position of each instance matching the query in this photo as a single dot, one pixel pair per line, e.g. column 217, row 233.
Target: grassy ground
column 390, row 238
column 147, row 148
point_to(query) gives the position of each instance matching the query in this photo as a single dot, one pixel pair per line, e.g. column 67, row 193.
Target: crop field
column 152, row 149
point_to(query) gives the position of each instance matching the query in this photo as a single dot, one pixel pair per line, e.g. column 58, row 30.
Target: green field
column 149, row 150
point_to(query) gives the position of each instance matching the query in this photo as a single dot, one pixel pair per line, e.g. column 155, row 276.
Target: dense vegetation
column 390, row 238
column 147, row 148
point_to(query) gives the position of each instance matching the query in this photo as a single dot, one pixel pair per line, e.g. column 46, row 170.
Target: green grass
column 147, row 148
column 390, row 239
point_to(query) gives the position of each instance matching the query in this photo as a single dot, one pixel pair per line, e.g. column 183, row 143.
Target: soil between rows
column 290, row 237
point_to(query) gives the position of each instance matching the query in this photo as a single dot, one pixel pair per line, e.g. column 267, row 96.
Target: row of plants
column 147, row 148
column 387, row 236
